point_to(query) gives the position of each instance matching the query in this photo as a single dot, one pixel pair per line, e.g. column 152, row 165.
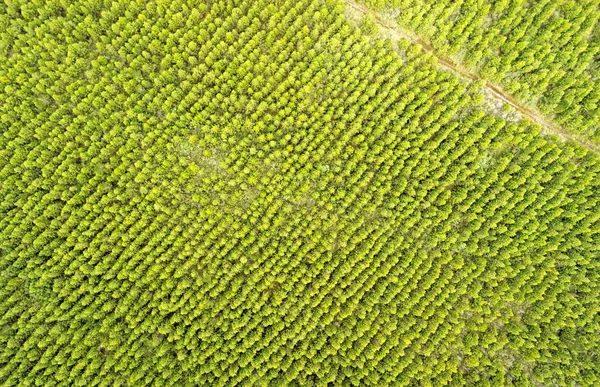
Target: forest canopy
column 276, row 192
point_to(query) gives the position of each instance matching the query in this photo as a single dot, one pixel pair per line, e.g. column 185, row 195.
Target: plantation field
column 545, row 53
column 268, row 193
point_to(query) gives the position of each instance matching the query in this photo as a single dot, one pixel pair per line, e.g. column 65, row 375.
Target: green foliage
column 544, row 53
column 368, row 24
column 254, row 193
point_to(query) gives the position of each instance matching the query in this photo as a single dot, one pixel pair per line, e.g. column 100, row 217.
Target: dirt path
column 396, row 33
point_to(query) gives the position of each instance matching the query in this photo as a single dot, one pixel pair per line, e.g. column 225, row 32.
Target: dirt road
column 396, row 33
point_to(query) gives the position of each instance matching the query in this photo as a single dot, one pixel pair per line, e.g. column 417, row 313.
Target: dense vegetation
column 255, row 193
column 545, row 53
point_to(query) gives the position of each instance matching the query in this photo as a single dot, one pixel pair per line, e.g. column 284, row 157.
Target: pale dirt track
column 396, row 33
